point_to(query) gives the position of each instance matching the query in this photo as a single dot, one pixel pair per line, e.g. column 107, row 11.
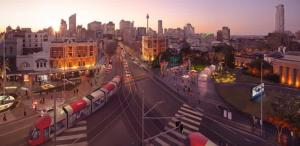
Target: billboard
column 257, row 92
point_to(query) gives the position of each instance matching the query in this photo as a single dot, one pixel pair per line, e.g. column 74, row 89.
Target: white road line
column 186, row 124
column 173, row 139
column 75, row 144
column 176, row 133
column 200, row 109
column 81, row 122
column 69, row 137
column 186, row 119
column 191, row 111
column 184, row 129
column 187, row 114
column 161, row 142
column 76, row 129
column 187, row 105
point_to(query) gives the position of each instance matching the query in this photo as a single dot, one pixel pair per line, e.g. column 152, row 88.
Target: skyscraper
column 72, row 23
column 225, row 34
column 279, row 19
column 147, row 22
column 160, row 28
column 63, row 27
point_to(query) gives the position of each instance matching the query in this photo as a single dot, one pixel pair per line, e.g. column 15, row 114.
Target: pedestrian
column 25, row 113
column 74, row 92
column 51, row 96
column 26, row 93
column 77, row 90
column 4, row 117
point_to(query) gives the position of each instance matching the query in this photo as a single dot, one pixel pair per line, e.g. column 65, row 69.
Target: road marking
column 187, row 114
column 75, row 144
column 191, row 111
column 161, row 142
column 76, row 129
column 184, row 129
column 176, row 133
column 81, row 123
column 186, row 119
column 186, row 124
column 173, row 139
column 69, row 137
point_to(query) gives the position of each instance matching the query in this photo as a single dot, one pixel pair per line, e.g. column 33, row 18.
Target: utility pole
column 4, row 63
column 143, row 102
column 261, row 98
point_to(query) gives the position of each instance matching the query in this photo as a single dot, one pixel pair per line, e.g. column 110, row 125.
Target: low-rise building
column 70, row 54
column 288, row 68
column 152, row 46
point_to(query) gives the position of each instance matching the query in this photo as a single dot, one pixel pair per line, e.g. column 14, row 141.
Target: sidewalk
column 25, row 104
column 240, row 121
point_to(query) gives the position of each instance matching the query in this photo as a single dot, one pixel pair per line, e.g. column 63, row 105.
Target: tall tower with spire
column 147, row 23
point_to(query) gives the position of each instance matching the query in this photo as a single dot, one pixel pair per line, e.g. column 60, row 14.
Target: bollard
column 225, row 113
column 229, row 115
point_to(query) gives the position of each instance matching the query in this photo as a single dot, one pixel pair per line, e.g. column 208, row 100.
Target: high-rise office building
column 188, row 30
column 225, row 33
column 63, row 27
column 219, row 35
column 72, row 24
column 279, row 19
column 160, row 28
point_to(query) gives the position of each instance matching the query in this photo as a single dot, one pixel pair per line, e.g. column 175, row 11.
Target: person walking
column 4, row 117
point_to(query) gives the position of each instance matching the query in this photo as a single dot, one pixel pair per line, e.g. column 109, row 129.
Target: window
column 44, row 64
column 37, row 65
column 35, row 133
column 47, row 132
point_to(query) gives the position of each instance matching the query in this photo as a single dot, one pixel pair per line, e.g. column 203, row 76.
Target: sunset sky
column 246, row 17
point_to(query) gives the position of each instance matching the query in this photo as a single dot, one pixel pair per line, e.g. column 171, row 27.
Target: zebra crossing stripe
column 173, row 140
column 186, row 119
column 76, row 129
column 191, row 111
column 75, row 144
column 187, row 114
column 184, row 129
column 69, row 137
column 176, row 133
column 186, row 124
column 161, row 142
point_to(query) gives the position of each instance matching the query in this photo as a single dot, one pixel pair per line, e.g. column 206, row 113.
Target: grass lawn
column 239, row 97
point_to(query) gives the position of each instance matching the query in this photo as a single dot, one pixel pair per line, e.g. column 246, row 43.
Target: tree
column 185, row 48
column 224, row 53
column 286, row 114
column 110, row 47
column 6, row 67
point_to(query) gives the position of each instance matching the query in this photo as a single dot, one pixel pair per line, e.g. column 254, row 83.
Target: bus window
column 47, row 132
column 35, row 134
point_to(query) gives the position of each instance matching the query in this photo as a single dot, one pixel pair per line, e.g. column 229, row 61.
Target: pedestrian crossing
column 75, row 136
column 191, row 120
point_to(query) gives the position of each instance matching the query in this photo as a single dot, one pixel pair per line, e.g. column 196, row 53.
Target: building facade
column 72, row 24
column 279, row 19
column 160, row 28
column 225, row 34
column 71, row 55
column 288, row 68
column 152, row 46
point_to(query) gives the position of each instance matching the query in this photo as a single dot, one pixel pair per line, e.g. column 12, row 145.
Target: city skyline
column 204, row 15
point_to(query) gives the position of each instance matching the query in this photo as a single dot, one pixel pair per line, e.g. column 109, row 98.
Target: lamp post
column 261, row 99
